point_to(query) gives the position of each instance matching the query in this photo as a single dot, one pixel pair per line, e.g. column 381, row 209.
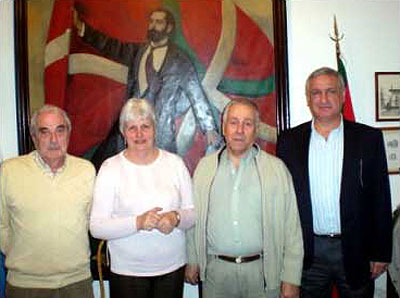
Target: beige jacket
column 283, row 244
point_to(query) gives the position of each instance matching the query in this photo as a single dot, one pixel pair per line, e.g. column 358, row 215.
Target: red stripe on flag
column 61, row 19
column 253, row 55
column 121, row 19
column 93, row 111
column 348, row 112
column 202, row 27
column 55, row 75
column 55, row 78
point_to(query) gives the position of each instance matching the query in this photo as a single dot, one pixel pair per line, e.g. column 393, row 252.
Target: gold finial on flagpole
column 337, row 37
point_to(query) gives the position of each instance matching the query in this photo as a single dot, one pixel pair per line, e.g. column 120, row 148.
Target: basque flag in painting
column 229, row 42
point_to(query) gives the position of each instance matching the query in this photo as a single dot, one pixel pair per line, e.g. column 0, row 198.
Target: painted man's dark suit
column 172, row 90
column 365, row 207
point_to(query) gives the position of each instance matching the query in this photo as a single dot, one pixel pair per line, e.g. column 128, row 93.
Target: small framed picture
column 387, row 96
column 391, row 138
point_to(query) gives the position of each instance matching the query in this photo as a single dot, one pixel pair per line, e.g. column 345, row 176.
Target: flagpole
column 336, row 38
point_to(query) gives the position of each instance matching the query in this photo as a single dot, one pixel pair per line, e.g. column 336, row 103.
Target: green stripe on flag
column 342, row 71
column 253, row 88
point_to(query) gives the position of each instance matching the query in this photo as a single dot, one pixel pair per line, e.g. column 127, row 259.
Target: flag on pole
column 348, row 112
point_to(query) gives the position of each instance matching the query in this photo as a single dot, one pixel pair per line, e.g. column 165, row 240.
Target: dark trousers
column 327, row 269
column 81, row 289
column 162, row 286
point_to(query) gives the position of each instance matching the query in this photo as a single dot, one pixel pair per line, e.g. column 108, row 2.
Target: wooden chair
column 102, row 260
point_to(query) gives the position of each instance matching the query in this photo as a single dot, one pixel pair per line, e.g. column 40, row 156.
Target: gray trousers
column 81, row 289
column 328, row 269
column 226, row 279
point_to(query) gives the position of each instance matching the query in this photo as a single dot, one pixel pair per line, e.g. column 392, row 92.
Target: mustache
column 54, row 147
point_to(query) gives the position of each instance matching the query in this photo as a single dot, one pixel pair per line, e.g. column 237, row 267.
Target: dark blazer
column 365, row 207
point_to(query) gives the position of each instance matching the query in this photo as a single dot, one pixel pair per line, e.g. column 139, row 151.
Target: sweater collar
column 45, row 167
column 255, row 146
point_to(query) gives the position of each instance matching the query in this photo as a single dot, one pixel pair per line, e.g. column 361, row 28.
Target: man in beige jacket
column 247, row 240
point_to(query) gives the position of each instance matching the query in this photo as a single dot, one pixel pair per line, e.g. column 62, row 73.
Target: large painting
column 235, row 49
column 89, row 56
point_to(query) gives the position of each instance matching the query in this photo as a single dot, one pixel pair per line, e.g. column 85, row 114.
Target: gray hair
column 135, row 109
column 48, row 109
column 245, row 102
column 328, row 72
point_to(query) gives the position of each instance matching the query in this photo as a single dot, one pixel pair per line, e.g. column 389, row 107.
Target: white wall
column 371, row 43
column 8, row 130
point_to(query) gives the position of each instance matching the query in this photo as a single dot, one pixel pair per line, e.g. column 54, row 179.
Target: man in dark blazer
column 160, row 72
column 340, row 176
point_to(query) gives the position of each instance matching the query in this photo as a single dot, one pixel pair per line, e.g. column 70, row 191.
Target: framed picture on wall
column 391, row 137
column 387, row 96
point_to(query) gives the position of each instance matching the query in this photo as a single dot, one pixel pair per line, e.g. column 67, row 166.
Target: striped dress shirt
column 325, row 162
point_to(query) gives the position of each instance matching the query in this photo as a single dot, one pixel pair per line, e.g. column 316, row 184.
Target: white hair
column 135, row 109
column 48, row 109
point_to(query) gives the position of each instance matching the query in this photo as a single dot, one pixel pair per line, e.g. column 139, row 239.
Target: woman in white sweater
column 142, row 205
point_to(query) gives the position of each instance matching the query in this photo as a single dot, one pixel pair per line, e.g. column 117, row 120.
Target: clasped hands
column 164, row 222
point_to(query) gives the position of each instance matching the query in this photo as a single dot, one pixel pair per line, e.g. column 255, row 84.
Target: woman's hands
column 148, row 220
column 168, row 221
column 152, row 219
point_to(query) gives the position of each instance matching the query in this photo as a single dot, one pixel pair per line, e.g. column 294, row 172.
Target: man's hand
column 148, row 220
column 192, row 272
column 289, row 290
column 167, row 222
column 377, row 269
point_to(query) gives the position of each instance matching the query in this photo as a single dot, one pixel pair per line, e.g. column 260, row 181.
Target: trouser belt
column 331, row 236
column 239, row 259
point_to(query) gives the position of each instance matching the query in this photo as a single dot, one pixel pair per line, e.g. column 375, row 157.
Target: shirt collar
column 152, row 46
column 45, row 167
column 249, row 155
column 337, row 130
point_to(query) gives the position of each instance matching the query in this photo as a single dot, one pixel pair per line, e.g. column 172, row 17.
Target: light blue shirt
column 234, row 223
column 325, row 163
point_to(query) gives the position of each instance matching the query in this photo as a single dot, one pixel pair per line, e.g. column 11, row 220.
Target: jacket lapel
column 351, row 164
column 304, row 147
